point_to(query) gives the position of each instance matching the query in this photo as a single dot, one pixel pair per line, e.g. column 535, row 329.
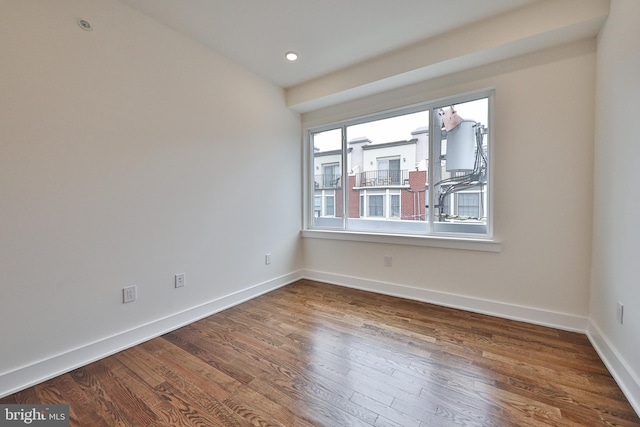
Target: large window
column 420, row 170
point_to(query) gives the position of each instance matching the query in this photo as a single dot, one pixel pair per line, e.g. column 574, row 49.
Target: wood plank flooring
column 312, row 354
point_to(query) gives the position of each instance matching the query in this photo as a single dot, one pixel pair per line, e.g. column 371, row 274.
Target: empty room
column 319, row 213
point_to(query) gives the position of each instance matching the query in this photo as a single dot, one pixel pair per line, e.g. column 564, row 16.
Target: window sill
column 464, row 243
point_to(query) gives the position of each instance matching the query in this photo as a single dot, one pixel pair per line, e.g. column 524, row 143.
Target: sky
column 397, row 128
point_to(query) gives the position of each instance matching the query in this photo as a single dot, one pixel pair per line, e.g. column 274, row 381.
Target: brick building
column 386, row 182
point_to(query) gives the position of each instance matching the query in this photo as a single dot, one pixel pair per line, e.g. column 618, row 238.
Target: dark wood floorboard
column 312, row 354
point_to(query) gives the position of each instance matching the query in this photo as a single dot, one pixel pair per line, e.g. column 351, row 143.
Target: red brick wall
column 354, row 198
column 338, row 202
column 413, row 202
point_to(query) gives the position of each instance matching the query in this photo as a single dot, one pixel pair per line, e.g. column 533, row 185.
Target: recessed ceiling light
column 291, row 56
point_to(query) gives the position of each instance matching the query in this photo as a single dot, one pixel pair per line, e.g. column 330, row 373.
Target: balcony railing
column 382, row 178
column 327, row 181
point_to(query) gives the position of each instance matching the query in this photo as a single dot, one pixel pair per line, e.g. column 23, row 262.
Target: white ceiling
column 328, row 35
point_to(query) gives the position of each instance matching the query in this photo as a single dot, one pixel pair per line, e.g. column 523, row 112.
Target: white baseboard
column 493, row 308
column 38, row 372
column 625, row 377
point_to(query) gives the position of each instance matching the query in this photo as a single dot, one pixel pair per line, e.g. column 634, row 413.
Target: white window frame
column 480, row 242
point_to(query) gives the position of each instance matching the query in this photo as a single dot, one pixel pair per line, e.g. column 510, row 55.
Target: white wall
column 406, row 152
column 119, row 153
column 543, row 192
column 616, row 227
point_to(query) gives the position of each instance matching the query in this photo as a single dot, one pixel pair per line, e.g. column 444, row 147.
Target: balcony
column 327, row 181
column 382, row 178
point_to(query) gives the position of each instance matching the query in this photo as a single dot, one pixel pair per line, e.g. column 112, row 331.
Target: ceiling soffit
column 541, row 25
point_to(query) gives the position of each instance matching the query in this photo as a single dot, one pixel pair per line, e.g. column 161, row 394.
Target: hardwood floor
column 312, row 354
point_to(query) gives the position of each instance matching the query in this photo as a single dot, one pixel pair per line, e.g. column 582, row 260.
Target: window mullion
column 345, row 180
column 431, row 176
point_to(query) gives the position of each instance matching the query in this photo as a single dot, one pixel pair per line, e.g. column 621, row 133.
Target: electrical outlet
column 620, row 313
column 388, row 261
column 267, row 259
column 128, row 294
column 180, row 280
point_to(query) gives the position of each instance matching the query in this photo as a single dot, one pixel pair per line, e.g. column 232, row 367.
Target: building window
column 380, row 204
column 317, row 206
column 329, row 207
column 419, row 170
column 331, row 175
column 395, row 206
column 376, row 205
column 389, row 171
column 468, row 205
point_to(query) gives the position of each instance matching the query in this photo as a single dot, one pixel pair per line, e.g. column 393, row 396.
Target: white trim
column 627, row 380
column 43, row 370
column 433, row 105
column 467, row 243
column 532, row 315
column 38, row 372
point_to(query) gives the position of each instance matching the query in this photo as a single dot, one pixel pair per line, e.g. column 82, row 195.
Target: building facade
column 389, row 181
